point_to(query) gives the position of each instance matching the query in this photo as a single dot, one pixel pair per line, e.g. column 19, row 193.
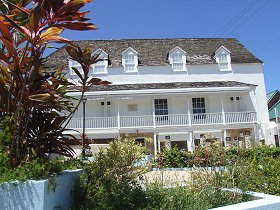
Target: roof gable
column 129, row 49
column 222, row 49
column 176, row 49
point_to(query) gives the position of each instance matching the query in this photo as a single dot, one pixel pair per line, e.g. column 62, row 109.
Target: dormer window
column 222, row 56
column 101, row 66
column 177, row 58
column 76, row 65
column 130, row 60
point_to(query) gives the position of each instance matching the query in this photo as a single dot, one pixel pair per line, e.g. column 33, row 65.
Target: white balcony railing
column 147, row 121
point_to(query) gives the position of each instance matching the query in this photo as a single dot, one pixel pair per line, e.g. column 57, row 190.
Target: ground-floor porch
column 184, row 138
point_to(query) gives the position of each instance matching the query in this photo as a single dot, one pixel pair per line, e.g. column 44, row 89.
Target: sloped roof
column 270, row 95
column 174, row 85
column 154, row 52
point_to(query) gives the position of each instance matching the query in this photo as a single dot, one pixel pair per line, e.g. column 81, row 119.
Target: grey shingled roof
column 154, row 52
column 174, row 85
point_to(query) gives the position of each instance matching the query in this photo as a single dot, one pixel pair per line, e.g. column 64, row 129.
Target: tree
column 31, row 96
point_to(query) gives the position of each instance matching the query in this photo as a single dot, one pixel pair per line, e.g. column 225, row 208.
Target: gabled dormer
column 222, row 56
column 76, row 65
column 101, row 66
column 177, row 58
column 130, row 60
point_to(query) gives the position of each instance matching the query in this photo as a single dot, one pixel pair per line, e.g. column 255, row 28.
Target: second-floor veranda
column 165, row 108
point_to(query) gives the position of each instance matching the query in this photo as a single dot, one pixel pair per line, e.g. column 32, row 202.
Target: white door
column 235, row 104
column 106, row 108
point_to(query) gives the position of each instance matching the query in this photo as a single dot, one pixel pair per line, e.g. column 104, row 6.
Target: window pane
column 129, row 67
column 223, row 58
column 129, row 59
column 178, row 66
column 99, row 69
column 161, row 107
column 177, row 58
column 223, row 65
column 198, row 105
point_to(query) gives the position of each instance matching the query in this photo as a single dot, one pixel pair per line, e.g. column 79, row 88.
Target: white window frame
column 222, row 56
column 130, row 59
column 161, row 109
column 102, row 63
column 76, row 65
column 174, row 61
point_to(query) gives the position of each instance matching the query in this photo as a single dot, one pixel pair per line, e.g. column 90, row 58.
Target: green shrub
column 173, row 158
column 111, row 181
column 258, row 174
column 36, row 169
column 159, row 197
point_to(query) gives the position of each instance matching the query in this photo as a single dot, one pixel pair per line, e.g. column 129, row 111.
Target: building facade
column 175, row 91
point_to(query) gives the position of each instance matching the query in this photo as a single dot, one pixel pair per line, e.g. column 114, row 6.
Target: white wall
column 247, row 73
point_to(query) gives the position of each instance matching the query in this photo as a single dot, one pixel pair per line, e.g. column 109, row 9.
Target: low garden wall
column 40, row 195
column 265, row 202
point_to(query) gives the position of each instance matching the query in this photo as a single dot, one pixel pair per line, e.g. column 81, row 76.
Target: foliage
column 29, row 92
column 203, row 156
column 111, row 180
column 257, row 174
column 35, row 169
column 159, row 197
column 173, row 158
column 253, row 169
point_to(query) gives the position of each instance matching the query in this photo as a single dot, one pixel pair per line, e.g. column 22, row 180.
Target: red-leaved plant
column 33, row 95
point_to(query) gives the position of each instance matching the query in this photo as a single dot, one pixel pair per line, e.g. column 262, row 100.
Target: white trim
column 77, row 66
column 131, row 52
column 177, row 51
column 129, row 49
column 223, row 51
column 184, row 91
column 102, row 55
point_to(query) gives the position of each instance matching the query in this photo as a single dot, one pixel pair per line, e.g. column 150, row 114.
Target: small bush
column 110, row 182
column 36, row 169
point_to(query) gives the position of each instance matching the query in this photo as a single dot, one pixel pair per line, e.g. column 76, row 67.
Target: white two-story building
column 176, row 90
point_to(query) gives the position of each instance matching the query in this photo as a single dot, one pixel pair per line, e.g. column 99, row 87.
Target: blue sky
column 256, row 24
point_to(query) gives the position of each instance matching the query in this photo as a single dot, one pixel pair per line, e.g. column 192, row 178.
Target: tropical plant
column 32, row 96
column 111, row 180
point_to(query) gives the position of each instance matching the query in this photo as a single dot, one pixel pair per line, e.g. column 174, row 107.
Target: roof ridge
column 175, row 38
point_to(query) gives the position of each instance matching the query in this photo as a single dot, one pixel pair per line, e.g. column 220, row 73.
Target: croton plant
column 32, row 96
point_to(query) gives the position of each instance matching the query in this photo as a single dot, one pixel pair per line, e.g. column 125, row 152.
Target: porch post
column 189, row 113
column 223, row 110
column 224, row 137
column 190, row 141
column 255, row 134
column 158, row 145
column 154, row 116
column 256, row 105
column 119, row 123
column 155, row 144
column 84, row 100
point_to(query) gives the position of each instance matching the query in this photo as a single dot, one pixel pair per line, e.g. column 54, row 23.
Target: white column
column 189, row 112
column 255, row 134
column 224, row 137
column 190, row 141
column 155, row 144
column 154, row 116
column 256, row 105
column 158, row 145
column 119, row 120
column 223, row 110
